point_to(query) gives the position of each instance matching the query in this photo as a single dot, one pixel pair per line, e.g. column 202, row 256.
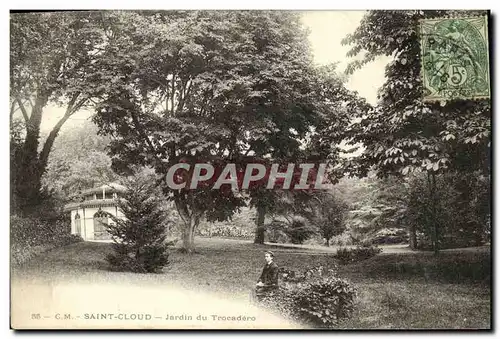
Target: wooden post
column 84, row 226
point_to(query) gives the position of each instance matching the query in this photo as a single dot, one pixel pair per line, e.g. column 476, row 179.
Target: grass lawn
column 395, row 290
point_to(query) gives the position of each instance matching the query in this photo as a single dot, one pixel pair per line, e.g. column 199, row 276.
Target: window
column 109, row 195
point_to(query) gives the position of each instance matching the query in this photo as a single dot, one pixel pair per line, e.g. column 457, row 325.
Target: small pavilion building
column 90, row 216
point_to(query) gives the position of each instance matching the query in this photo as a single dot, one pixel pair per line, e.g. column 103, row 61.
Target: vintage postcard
column 257, row 169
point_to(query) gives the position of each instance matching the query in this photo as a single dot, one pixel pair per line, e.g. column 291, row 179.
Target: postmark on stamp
column 455, row 61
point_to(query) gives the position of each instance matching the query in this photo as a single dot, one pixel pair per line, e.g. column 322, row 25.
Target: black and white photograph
column 250, row 169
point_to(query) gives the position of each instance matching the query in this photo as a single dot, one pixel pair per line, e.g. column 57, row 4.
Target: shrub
column 22, row 254
column 276, row 235
column 220, row 229
column 327, row 213
column 343, row 239
column 390, row 236
column 316, row 297
column 140, row 239
column 295, row 230
column 324, row 303
column 351, row 255
column 298, row 230
column 241, row 225
column 460, row 206
column 30, row 236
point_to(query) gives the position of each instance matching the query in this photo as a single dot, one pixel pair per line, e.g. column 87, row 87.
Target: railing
column 87, row 203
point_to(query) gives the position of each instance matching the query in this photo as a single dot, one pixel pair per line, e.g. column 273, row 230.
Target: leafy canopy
column 403, row 133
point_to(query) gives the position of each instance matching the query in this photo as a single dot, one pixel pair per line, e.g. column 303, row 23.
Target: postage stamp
column 455, row 61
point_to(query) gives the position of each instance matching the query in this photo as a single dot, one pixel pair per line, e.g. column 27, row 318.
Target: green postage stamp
column 455, row 61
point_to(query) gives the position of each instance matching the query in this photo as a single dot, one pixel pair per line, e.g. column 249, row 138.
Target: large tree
column 327, row 213
column 403, row 133
column 51, row 60
column 205, row 86
column 334, row 108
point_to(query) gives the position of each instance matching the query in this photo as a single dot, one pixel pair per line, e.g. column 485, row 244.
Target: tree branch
column 182, row 93
column 248, row 151
column 12, row 110
column 47, row 146
column 23, row 109
column 79, row 105
column 181, row 207
column 206, row 99
column 144, row 137
column 172, row 96
column 186, row 89
column 71, row 103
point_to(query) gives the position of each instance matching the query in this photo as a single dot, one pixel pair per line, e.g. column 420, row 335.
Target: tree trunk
column 189, row 227
column 436, row 219
column 27, row 183
column 260, row 230
column 31, row 165
column 328, row 242
column 431, row 179
column 28, row 176
column 188, row 236
column 190, row 222
column 413, row 237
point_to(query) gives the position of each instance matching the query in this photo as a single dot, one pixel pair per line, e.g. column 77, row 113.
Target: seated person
column 268, row 280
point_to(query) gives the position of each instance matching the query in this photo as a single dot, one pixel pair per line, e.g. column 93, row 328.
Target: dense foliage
column 326, row 212
column 213, row 86
column 295, row 228
column 315, row 297
column 236, row 86
column 397, row 210
column 241, row 225
column 32, row 236
column 462, row 209
column 79, row 161
column 198, row 86
column 52, row 59
column 403, row 133
column 374, row 207
column 140, row 240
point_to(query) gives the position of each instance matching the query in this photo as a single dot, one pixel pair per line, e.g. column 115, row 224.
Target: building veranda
column 91, row 215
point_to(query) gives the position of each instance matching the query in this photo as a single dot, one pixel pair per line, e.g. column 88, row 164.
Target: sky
column 327, row 29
